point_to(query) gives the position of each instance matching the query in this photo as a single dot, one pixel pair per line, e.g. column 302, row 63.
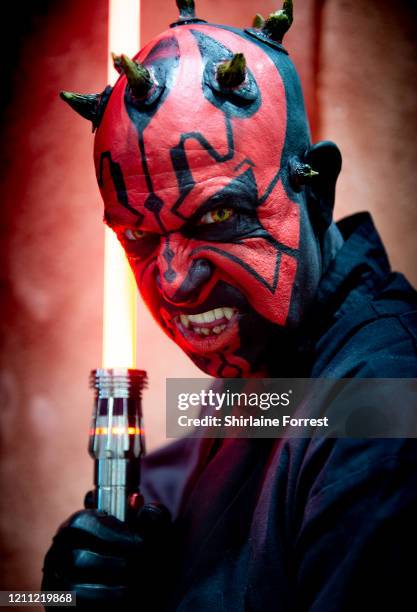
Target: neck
column 331, row 244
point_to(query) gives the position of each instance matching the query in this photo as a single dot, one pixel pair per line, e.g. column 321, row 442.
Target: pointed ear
column 326, row 159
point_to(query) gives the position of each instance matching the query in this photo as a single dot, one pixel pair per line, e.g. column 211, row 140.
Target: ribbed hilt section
column 118, row 382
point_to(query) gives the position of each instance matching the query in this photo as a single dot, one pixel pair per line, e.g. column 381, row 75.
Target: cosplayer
column 224, row 208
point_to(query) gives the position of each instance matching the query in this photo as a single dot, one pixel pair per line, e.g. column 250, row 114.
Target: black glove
column 110, row 564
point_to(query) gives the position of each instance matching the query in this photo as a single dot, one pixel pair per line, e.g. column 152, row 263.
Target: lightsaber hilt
column 117, row 439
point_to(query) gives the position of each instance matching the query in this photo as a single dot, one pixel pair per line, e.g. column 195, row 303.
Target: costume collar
column 356, row 274
column 359, row 269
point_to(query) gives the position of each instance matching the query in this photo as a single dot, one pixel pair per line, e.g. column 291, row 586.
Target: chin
column 224, row 366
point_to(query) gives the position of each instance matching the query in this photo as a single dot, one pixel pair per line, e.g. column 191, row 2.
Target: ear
column 325, row 159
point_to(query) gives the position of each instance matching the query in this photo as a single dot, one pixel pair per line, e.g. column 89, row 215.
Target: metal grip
column 117, row 437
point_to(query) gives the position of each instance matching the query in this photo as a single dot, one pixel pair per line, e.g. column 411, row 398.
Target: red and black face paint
column 194, row 177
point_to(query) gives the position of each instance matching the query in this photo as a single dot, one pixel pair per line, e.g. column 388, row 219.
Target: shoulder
column 377, row 339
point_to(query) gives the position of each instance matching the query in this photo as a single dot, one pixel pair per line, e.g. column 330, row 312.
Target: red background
column 358, row 65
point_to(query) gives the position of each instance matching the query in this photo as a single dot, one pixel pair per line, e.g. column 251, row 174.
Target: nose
column 199, row 273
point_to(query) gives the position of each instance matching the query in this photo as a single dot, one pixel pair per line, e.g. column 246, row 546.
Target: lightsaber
column 119, row 303
column 117, row 439
column 116, row 434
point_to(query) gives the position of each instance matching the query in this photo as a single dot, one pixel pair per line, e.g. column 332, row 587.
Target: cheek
column 281, row 218
column 145, row 276
column 261, row 271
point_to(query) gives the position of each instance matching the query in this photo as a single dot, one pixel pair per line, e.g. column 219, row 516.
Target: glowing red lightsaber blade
column 120, row 303
column 116, row 435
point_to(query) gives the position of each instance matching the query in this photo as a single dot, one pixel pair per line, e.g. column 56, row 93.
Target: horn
column 258, row 21
column 232, row 73
column 300, row 173
column 117, row 62
column 307, row 172
column 85, row 105
column 186, row 8
column 138, row 77
column 89, row 106
column 279, row 23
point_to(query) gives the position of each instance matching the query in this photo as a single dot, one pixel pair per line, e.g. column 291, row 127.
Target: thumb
column 152, row 521
column 90, row 502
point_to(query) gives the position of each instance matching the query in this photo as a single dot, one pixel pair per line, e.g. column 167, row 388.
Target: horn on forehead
column 186, row 8
column 278, row 23
column 89, row 106
column 233, row 72
column 138, row 77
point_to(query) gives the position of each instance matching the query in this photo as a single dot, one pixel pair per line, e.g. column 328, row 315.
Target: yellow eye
column 134, row 234
column 218, row 215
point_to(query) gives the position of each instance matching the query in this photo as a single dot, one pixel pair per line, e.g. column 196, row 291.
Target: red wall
column 51, row 290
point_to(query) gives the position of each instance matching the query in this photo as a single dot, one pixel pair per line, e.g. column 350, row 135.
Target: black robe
column 306, row 524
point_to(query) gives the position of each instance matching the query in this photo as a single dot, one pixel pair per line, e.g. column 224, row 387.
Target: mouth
column 208, row 331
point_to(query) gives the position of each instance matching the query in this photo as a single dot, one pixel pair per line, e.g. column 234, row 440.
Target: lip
column 223, row 293
column 208, row 343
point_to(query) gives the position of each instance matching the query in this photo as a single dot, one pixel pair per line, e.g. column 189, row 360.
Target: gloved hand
column 109, row 564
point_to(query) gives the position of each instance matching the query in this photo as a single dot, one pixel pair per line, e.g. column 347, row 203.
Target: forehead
column 156, row 165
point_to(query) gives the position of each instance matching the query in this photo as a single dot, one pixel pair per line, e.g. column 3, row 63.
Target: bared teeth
column 205, row 331
column 209, row 316
column 202, row 331
column 198, row 322
column 185, row 321
column 218, row 313
column 196, row 318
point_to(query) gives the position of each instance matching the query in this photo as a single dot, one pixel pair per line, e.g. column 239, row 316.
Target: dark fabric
column 306, row 525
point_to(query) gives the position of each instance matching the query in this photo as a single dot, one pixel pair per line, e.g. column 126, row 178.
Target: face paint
column 195, row 184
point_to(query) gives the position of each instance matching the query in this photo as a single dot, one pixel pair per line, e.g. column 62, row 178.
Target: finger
column 84, row 566
column 53, row 578
column 87, row 566
column 90, row 500
column 152, row 521
column 93, row 530
column 100, row 597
